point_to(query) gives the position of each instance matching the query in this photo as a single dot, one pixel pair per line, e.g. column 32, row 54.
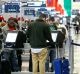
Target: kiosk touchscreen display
column 11, row 37
column 54, row 35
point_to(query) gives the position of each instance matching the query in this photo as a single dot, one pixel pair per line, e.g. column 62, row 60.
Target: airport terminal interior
column 65, row 14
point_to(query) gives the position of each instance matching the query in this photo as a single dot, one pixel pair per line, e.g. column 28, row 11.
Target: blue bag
column 61, row 66
column 57, row 63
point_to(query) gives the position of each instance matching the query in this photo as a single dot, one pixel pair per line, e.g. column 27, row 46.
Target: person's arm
column 47, row 34
column 4, row 30
column 28, row 32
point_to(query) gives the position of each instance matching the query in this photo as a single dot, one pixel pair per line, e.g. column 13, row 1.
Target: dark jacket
column 38, row 32
column 21, row 39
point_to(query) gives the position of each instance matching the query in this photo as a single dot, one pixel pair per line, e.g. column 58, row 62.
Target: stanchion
column 71, row 57
column 71, row 51
column 57, row 51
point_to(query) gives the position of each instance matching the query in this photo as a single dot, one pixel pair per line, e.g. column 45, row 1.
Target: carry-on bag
column 61, row 66
column 57, row 63
column 65, row 66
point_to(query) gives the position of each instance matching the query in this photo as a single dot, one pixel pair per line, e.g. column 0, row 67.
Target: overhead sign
column 42, row 9
column 35, row 4
column 29, row 12
column 12, row 8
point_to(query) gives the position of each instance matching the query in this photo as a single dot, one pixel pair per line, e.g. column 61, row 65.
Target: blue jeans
column 10, row 55
column 14, row 60
column 50, row 57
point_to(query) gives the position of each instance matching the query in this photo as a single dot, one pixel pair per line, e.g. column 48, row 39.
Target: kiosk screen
column 11, row 37
column 54, row 36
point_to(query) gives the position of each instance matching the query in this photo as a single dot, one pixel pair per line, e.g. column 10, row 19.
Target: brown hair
column 43, row 16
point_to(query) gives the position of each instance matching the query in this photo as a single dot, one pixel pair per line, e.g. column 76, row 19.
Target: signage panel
column 29, row 12
column 35, row 4
column 12, row 7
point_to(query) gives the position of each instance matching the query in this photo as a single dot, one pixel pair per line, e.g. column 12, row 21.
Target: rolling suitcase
column 65, row 66
column 61, row 66
column 57, row 63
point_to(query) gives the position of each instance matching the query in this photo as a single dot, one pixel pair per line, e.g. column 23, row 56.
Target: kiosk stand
column 8, row 54
column 12, row 50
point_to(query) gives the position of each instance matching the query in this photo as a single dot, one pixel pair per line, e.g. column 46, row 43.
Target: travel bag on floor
column 61, row 66
column 65, row 66
column 57, row 63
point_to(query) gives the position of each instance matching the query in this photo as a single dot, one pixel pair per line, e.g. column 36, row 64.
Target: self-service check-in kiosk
column 11, row 39
column 54, row 35
column 14, row 42
column 15, row 39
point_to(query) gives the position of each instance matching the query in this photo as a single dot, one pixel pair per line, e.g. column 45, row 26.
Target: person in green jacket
column 38, row 33
column 51, row 52
column 52, row 24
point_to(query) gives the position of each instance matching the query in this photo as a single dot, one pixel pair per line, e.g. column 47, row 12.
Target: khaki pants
column 41, row 59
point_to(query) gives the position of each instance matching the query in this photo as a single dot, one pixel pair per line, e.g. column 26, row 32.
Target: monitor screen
column 11, row 37
column 54, row 36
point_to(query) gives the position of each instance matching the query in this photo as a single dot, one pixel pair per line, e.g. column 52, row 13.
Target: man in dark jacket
column 38, row 33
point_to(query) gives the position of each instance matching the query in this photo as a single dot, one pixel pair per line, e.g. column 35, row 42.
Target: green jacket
column 38, row 33
column 53, row 27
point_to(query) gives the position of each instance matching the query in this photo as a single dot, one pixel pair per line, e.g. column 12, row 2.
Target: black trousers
column 19, row 53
